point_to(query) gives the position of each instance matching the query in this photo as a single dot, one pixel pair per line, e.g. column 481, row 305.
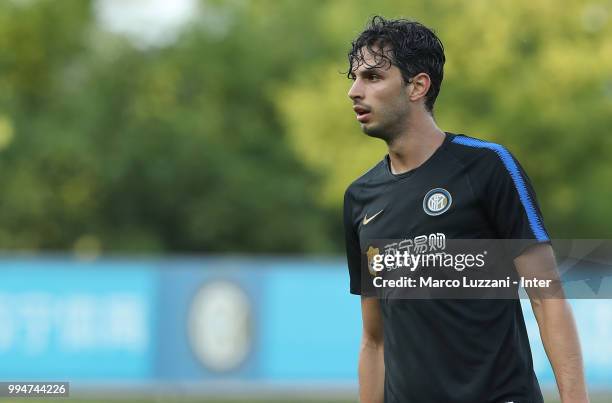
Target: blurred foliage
column 239, row 137
column 532, row 75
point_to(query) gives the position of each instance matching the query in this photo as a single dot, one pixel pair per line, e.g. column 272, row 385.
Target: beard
column 390, row 120
column 387, row 128
column 377, row 131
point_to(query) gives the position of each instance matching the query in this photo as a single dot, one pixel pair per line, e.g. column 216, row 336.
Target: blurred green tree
column 239, row 137
column 170, row 149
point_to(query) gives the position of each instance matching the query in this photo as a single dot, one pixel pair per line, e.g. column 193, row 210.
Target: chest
column 414, row 208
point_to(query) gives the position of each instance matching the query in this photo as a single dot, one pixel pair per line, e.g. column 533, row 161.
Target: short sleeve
column 510, row 202
column 353, row 249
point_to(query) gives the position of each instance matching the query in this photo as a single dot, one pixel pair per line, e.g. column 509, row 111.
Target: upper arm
column 353, row 249
column 538, row 261
column 372, row 321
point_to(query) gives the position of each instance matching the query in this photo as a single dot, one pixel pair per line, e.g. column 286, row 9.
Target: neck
column 416, row 143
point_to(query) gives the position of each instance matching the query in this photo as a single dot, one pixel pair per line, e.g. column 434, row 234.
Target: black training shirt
column 449, row 350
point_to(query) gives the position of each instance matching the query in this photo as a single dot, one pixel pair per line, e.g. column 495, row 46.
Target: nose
column 356, row 90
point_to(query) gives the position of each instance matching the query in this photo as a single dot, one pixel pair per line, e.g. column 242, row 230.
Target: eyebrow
column 368, row 70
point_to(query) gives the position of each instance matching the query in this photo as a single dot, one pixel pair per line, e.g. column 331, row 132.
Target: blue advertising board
column 267, row 321
column 64, row 319
column 209, row 312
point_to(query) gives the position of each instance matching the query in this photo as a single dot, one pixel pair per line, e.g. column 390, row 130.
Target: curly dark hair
column 409, row 45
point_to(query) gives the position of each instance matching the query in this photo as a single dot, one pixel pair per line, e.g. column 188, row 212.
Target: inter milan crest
column 437, row 201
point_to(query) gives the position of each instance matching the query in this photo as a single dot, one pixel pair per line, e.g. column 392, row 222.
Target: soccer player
column 431, row 182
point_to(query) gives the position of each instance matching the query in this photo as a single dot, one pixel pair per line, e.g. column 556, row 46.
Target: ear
column 420, row 86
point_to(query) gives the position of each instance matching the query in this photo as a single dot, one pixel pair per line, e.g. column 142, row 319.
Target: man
column 443, row 350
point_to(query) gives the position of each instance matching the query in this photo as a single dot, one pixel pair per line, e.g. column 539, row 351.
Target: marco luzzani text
column 458, row 262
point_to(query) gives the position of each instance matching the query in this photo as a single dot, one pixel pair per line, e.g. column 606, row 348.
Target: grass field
column 595, row 398
column 168, row 400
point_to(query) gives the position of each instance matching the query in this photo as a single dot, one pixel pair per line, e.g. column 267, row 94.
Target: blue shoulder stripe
column 535, row 221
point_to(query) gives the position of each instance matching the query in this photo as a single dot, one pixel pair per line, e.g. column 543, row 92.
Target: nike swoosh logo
column 366, row 220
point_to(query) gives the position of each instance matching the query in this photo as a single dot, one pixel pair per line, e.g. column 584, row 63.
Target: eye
column 373, row 77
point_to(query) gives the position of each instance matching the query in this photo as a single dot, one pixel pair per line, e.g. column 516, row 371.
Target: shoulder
column 472, row 151
column 370, row 178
